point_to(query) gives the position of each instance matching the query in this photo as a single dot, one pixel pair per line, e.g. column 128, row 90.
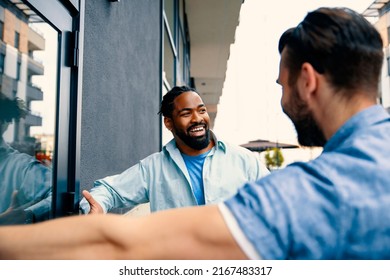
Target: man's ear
column 307, row 81
column 168, row 123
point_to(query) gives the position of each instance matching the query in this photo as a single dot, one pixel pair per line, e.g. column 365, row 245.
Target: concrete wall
column 121, row 86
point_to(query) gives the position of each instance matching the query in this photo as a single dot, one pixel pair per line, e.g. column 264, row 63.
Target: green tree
column 273, row 158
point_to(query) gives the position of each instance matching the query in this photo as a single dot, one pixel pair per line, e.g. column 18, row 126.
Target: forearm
column 186, row 233
column 67, row 238
column 193, row 233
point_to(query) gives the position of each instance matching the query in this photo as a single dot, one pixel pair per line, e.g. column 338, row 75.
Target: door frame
column 67, row 18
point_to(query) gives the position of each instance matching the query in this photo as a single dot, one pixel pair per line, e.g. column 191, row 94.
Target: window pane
column 181, row 12
column 169, row 6
column 168, row 61
column 27, row 118
column 16, row 40
column 1, row 29
column 180, row 80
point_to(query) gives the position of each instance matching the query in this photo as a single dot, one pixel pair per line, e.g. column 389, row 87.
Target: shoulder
column 155, row 157
column 161, row 156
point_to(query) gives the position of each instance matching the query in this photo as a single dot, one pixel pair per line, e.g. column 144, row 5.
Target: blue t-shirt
column 194, row 166
column 334, row 207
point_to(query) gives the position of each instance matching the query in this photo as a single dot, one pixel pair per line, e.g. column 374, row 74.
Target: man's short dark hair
column 12, row 109
column 167, row 106
column 340, row 44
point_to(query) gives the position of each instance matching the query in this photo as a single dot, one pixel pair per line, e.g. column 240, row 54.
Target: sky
column 249, row 106
column 46, row 82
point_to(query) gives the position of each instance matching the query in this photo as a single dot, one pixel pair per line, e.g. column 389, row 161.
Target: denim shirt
column 163, row 180
column 30, row 178
column 334, row 207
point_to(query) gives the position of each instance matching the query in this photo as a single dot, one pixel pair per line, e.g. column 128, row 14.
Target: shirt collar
column 4, row 147
column 363, row 119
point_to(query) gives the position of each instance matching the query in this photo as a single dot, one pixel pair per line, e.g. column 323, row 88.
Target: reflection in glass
column 169, row 8
column 27, row 115
column 168, row 61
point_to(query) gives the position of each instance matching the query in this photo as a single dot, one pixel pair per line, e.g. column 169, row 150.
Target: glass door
column 38, row 110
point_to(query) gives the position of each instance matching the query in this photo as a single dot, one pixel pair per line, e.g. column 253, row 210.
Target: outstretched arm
column 95, row 207
column 186, row 233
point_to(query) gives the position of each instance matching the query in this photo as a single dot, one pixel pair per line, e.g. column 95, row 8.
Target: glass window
column 2, row 57
column 166, row 134
column 1, row 29
column 388, row 66
column 17, row 39
column 18, row 65
column 180, row 72
column 181, row 11
column 27, row 123
column 388, row 35
column 168, row 61
column 169, row 8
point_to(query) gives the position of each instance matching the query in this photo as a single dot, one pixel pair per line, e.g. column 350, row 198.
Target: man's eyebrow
column 189, row 109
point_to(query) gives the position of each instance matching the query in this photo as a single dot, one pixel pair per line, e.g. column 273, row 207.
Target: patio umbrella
column 260, row 145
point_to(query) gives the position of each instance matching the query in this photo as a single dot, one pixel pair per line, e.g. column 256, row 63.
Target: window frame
column 66, row 17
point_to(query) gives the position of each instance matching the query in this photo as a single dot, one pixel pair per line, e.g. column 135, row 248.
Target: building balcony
column 33, row 120
column 35, row 67
column 34, row 92
column 8, row 85
column 36, row 41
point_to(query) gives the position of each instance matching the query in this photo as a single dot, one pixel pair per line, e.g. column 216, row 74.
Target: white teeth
column 197, row 129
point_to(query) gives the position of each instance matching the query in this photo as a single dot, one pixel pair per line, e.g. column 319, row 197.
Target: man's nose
column 196, row 117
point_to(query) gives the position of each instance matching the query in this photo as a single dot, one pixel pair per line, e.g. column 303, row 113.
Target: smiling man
column 194, row 168
column 336, row 206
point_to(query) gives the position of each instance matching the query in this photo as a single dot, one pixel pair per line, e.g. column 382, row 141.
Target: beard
column 196, row 143
column 308, row 132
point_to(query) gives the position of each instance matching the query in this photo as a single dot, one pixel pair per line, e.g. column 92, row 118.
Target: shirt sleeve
column 243, row 242
column 127, row 189
column 37, row 189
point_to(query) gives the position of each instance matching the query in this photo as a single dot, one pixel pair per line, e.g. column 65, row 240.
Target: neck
column 185, row 149
column 338, row 111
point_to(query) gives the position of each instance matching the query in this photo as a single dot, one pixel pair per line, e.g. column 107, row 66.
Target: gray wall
column 121, row 86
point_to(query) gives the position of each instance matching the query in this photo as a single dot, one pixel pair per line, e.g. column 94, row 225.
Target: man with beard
column 194, row 168
column 336, row 206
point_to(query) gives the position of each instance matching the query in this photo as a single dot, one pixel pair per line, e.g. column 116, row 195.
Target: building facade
column 18, row 66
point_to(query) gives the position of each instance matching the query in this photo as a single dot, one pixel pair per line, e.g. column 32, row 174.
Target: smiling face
column 190, row 123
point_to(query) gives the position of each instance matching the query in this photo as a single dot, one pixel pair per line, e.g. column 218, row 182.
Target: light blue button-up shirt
column 334, row 207
column 29, row 177
column 163, row 180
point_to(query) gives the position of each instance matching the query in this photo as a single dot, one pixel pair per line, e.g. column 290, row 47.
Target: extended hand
column 16, row 213
column 95, row 206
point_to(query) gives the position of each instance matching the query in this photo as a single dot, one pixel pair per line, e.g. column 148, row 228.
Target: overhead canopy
column 212, row 28
column 262, row 145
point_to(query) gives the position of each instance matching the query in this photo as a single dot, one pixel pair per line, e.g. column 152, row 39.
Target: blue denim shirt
column 334, row 207
column 30, row 178
column 163, row 180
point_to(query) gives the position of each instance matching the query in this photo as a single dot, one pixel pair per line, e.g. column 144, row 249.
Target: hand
column 16, row 217
column 15, row 214
column 95, row 206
